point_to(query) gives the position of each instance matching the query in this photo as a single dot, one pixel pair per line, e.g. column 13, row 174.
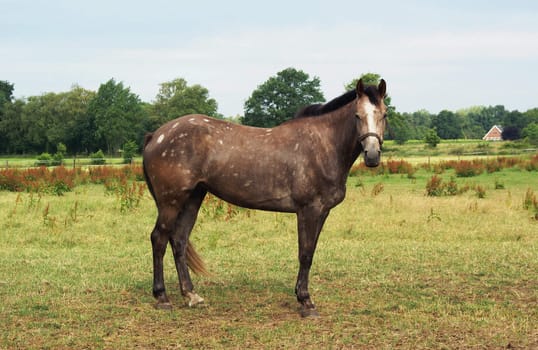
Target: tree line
column 83, row 121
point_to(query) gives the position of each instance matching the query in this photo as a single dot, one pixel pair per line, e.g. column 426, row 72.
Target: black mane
column 338, row 102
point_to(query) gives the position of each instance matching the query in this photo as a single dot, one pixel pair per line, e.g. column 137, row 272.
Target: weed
column 465, row 168
column 530, row 202
column 377, row 189
column 499, row 185
column 434, row 186
column 433, row 216
column 480, row 191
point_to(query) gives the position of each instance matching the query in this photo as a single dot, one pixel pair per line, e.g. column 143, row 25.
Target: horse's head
column 371, row 112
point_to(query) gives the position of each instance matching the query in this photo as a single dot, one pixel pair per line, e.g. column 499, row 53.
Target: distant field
column 394, row 269
column 415, row 151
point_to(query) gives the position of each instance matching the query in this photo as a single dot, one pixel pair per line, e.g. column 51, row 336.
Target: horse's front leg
column 310, row 222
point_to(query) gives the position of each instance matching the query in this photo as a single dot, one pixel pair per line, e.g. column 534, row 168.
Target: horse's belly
column 253, row 193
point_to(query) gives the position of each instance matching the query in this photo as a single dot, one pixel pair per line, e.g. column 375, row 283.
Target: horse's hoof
column 163, row 306
column 307, row 312
column 194, row 300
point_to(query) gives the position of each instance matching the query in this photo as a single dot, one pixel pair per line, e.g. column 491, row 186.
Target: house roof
column 494, row 133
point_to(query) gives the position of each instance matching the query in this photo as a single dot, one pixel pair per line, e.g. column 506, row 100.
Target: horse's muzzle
column 372, row 158
column 372, row 152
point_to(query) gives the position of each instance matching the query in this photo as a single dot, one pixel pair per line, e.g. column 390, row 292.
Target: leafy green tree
column 532, row 115
column 448, row 125
column 176, row 98
column 40, row 119
column 129, row 151
column 59, row 156
column 280, row 97
column 398, row 128
column 431, row 138
column 531, row 133
column 515, row 119
column 13, row 132
column 74, row 108
column 116, row 114
column 419, row 123
column 6, row 94
column 6, row 97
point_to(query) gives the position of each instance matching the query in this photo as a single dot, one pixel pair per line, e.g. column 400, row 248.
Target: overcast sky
column 434, row 55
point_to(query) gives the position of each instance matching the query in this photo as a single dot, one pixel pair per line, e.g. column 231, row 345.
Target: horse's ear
column 360, row 88
column 382, row 88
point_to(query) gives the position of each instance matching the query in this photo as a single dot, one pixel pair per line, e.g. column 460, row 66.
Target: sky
column 434, row 55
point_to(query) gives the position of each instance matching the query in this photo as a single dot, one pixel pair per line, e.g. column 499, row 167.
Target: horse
column 299, row 166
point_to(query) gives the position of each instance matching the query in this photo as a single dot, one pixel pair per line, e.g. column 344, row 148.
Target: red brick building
column 494, row 134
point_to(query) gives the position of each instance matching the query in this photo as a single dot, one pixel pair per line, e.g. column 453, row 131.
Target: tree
column 398, row 127
column 448, row 125
column 176, row 98
column 367, row 79
column 532, row 115
column 41, row 122
column 431, row 138
column 129, row 151
column 280, row 97
column 515, row 119
column 6, row 97
column 6, row 93
column 419, row 123
column 511, row 133
column 117, row 116
column 531, row 133
column 12, row 129
column 79, row 128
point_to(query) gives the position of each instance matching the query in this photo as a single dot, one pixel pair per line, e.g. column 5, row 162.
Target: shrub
column 97, row 158
column 401, row 167
column 434, row 186
column 44, row 159
column 465, row 168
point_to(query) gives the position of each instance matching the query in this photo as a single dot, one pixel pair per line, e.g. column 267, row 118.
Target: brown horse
column 300, row 166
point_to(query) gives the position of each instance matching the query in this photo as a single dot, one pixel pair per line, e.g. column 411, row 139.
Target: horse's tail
column 195, row 262
column 147, row 139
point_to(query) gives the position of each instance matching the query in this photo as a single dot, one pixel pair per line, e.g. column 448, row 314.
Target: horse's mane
column 338, row 102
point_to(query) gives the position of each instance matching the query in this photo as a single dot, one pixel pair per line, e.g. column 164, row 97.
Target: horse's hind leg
column 159, row 242
column 179, row 240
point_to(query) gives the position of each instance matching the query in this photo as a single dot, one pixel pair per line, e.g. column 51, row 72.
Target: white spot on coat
column 175, row 125
column 161, row 138
column 163, row 154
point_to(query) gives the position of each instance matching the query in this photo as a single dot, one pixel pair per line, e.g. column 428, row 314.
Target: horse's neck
column 345, row 136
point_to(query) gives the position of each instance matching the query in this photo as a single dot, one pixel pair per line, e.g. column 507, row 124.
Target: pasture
column 394, row 268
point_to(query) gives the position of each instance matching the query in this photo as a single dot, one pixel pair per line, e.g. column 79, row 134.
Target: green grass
column 396, row 269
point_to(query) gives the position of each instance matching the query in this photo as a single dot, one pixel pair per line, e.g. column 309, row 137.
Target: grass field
column 394, row 268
